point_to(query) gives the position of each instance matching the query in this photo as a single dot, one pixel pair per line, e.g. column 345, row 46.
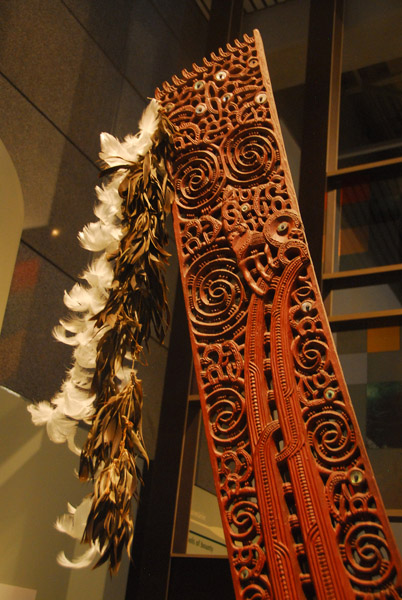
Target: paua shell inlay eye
column 282, row 227
column 169, row 107
column 306, row 306
column 221, row 75
column 356, row 476
column 199, row 85
column 329, row 394
column 227, row 97
column 261, row 98
column 245, row 208
column 200, row 108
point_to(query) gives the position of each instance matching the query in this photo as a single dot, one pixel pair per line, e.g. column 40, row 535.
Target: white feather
column 71, row 509
column 73, row 523
column 98, row 236
column 41, row 412
column 113, row 247
column 99, row 273
column 115, row 153
column 86, row 356
column 73, row 324
column 109, row 193
column 124, row 375
column 109, row 196
column 150, row 118
column 72, row 446
column 85, row 560
column 107, row 213
column 59, row 428
column 86, row 334
column 74, row 393
column 59, row 333
column 82, row 299
column 74, row 402
column 81, row 377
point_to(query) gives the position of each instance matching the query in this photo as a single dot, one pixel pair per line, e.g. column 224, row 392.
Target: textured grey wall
column 69, row 69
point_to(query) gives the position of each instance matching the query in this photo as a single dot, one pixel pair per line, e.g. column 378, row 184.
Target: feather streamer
column 123, row 298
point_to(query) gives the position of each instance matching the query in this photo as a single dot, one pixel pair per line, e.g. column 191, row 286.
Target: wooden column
column 320, row 118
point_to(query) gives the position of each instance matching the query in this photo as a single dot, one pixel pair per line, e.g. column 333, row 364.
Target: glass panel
column 371, row 93
column 369, row 224
column 371, row 361
column 205, row 535
column 369, row 298
column 371, row 114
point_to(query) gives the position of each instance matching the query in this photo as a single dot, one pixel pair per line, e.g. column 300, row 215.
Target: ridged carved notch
column 300, row 507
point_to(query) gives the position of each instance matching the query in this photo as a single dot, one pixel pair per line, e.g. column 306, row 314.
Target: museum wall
column 68, row 70
column 11, row 220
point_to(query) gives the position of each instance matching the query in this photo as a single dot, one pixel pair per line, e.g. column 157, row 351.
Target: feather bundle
column 123, row 298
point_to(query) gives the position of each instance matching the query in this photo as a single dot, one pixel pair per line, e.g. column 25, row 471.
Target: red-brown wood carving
column 300, row 508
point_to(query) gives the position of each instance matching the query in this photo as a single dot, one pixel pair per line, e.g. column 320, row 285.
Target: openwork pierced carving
column 300, row 507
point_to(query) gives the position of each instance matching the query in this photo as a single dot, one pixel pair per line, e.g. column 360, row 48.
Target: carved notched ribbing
column 299, row 504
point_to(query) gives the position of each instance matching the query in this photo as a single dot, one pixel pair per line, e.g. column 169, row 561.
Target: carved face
column 239, row 239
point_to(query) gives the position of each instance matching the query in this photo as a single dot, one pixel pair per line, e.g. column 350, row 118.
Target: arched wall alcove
column 11, row 222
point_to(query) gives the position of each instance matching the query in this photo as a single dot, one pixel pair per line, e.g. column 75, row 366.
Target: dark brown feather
column 137, row 305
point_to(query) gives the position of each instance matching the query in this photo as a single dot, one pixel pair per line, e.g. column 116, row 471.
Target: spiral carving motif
column 367, row 555
column 226, row 416
column 310, row 352
column 250, row 155
column 199, row 179
column 236, row 469
column 216, row 296
column 243, row 518
column 255, row 591
column 332, row 436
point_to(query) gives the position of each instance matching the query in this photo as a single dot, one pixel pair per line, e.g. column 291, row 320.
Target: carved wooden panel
column 300, row 508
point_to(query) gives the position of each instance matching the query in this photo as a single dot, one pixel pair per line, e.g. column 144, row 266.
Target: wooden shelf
column 381, row 318
column 394, row 514
column 361, row 277
column 193, row 398
column 352, row 175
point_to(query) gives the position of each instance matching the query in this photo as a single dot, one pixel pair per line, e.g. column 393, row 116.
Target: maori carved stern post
column 300, row 508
